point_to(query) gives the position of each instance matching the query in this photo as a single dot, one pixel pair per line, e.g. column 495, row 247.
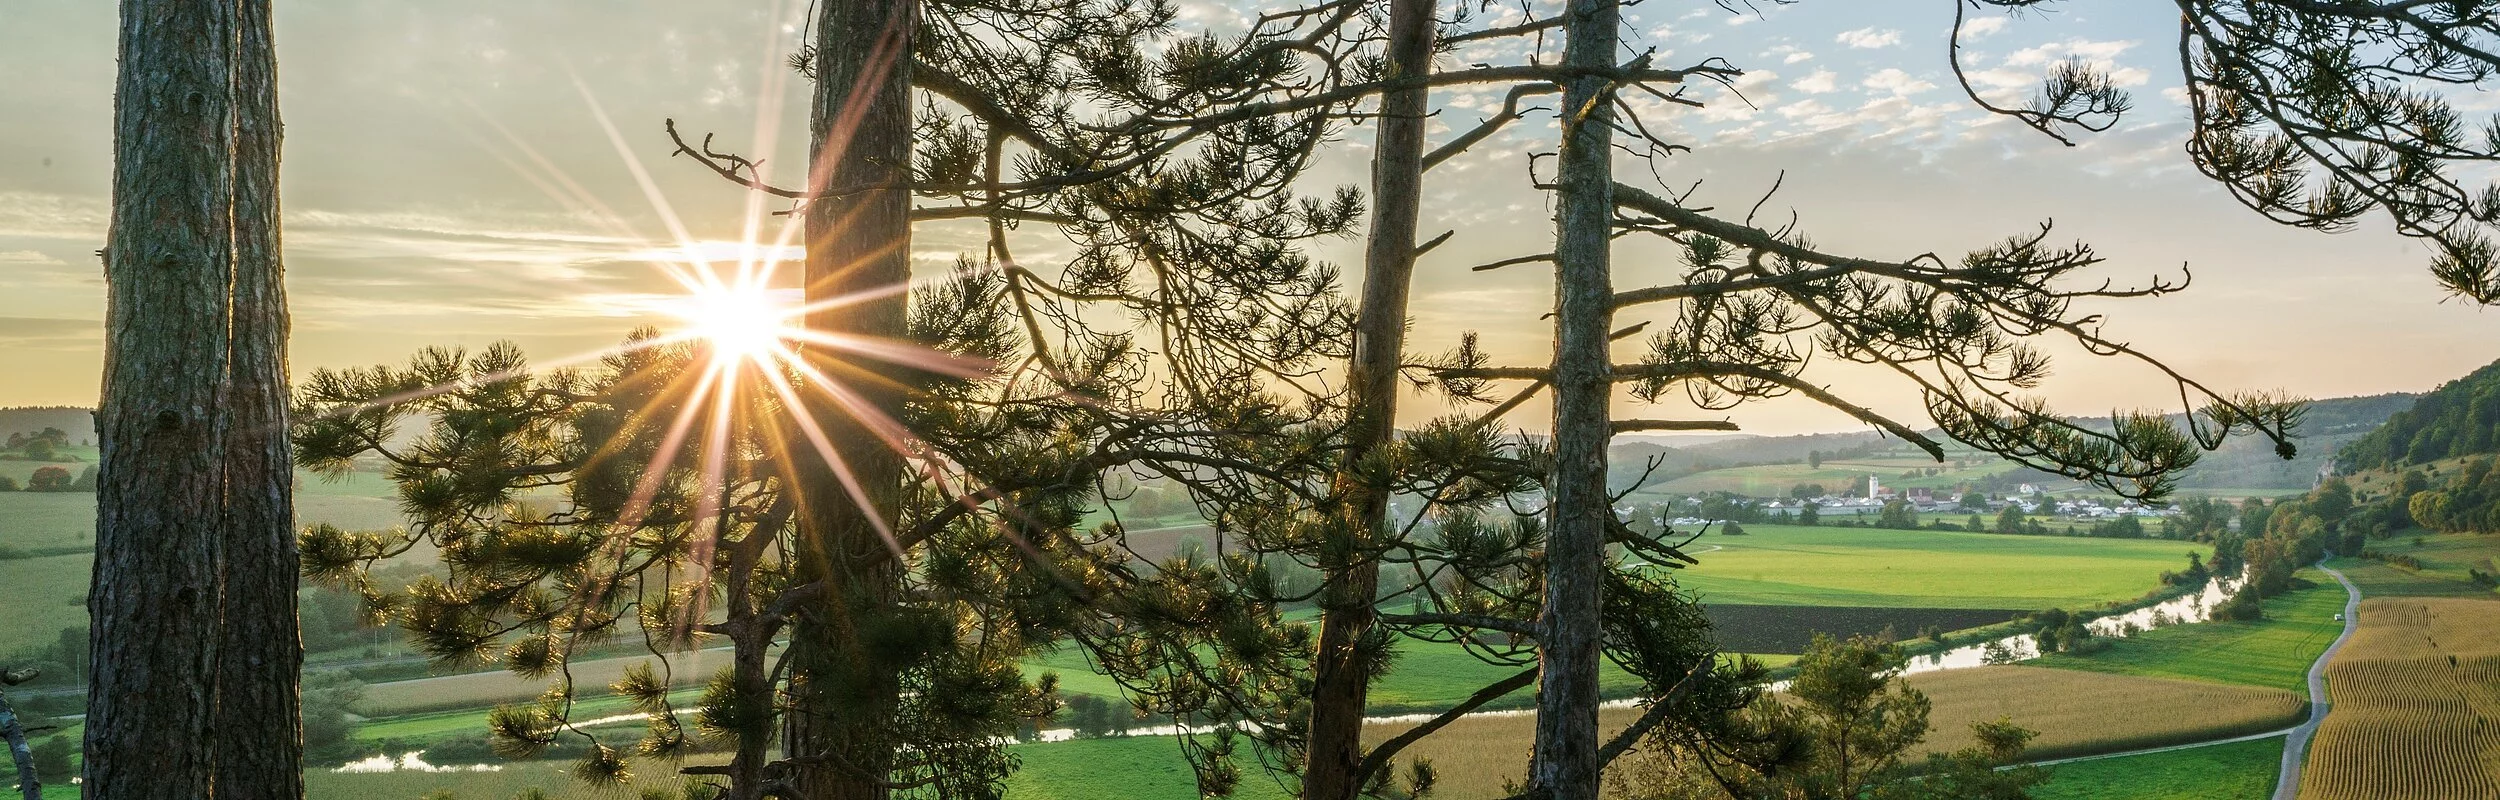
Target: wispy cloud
column 1869, row 38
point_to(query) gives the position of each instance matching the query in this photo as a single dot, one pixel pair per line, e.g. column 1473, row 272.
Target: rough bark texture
column 260, row 755
column 857, row 244
column 1342, row 681
column 29, row 785
column 1565, row 764
column 169, row 271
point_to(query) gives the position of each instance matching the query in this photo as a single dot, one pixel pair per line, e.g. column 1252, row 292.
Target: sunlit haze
column 464, row 172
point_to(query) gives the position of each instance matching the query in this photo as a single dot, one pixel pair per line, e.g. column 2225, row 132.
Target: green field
column 2274, row 652
column 55, row 534
column 2445, row 558
column 1133, row 768
column 2236, row 771
column 1830, row 566
column 74, row 458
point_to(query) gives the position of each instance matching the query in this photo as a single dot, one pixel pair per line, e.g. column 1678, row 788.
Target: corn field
column 2075, row 712
column 2416, row 705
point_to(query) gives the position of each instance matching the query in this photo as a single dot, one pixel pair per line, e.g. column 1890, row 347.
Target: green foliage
column 51, row 479
column 56, row 759
column 1843, row 729
column 329, row 700
column 2460, row 418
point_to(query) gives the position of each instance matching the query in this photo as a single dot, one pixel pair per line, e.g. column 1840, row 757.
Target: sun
column 737, row 323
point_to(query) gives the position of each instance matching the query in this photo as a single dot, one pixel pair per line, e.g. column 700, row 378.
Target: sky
column 431, row 150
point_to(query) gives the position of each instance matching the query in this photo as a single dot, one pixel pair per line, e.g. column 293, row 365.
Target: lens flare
column 736, row 322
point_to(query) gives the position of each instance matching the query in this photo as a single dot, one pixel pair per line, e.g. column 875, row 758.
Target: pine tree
column 193, row 595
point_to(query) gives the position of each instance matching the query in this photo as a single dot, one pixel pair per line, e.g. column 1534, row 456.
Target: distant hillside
column 2244, row 463
column 1628, row 461
column 2460, row 418
column 78, row 422
column 2330, row 428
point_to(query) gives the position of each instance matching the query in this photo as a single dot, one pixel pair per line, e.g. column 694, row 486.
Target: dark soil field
column 1787, row 629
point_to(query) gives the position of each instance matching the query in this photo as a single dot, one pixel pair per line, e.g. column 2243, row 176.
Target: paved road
column 2296, row 749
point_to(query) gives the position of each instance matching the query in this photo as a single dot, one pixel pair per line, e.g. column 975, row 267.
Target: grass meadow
column 2274, row 652
column 1827, row 566
column 2445, row 558
column 2235, row 771
column 2416, row 693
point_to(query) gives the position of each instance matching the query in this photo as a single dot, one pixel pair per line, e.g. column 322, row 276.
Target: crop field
column 1788, row 629
column 1865, row 567
column 2076, row 713
column 2235, row 771
column 554, row 776
column 2416, row 694
column 480, row 689
column 2081, row 713
column 2274, row 652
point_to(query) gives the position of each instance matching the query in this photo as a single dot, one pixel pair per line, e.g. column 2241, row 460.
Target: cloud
column 52, row 216
column 1898, row 83
column 2073, row 48
column 1823, row 80
column 26, row 257
column 35, row 333
column 1869, row 38
column 1982, row 27
column 1790, row 54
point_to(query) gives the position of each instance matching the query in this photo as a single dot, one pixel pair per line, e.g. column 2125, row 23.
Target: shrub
column 50, row 479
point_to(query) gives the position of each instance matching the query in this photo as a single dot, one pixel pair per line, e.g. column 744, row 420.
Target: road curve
column 2296, row 749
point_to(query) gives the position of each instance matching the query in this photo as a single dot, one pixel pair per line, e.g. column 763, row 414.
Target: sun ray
column 650, row 189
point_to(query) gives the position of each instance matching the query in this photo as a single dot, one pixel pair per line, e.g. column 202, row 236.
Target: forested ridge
column 2460, row 418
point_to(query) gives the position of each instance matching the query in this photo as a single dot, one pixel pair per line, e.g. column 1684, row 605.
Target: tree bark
column 169, row 270
column 260, row 753
column 857, row 245
column 29, row 785
column 1565, row 762
column 1342, row 683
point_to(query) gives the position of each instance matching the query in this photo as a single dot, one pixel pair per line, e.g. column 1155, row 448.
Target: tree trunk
column 29, row 785
column 1341, row 684
column 169, row 270
column 261, row 749
column 1565, row 764
column 858, row 244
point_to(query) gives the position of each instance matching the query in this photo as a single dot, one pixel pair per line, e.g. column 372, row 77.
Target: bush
column 1731, row 528
column 2242, row 607
column 50, row 479
column 54, row 762
column 8, row 484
